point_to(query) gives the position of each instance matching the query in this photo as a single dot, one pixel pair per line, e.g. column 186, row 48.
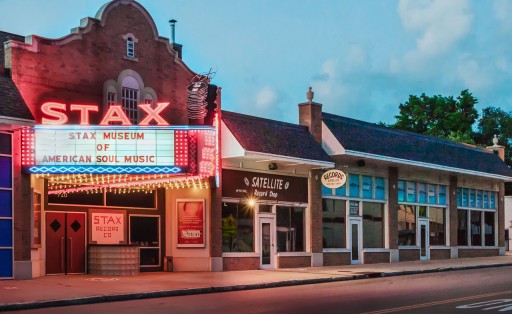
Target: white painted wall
column 508, row 220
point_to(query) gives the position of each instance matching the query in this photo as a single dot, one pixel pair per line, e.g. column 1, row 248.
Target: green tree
column 495, row 121
column 444, row 117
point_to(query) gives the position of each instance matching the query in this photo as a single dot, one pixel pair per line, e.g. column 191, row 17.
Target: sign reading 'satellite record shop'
column 262, row 186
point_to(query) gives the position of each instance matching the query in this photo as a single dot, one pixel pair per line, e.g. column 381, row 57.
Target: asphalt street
column 472, row 291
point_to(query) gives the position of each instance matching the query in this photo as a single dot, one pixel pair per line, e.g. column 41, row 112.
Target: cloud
column 502, row 10
column 266, row 98
column 439, row 25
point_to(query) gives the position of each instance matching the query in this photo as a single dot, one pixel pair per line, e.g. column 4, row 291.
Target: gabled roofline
column 427, row 165
column 318, row 163
column 16, row 121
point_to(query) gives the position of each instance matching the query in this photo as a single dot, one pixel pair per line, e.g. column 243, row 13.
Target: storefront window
column 367, row 187
column 353, row 181
column 437, row 226
column 37, row 219
column 373, row 225
column 432, row 194
column 333, row 223
column 326, row 191
column 422, row 193
column 380, row 188
column 476, row 228
column 401, row 191
column 462, row 227
column 411, row 191
column 238, row 227
column 290, row 229
column 489, row 228
column 144, row 231
column 263, row 208
column 406, row 225
column 422, row 211
column 442, row 195
column 341, row 191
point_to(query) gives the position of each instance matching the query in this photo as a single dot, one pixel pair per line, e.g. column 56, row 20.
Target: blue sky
column 362, row 57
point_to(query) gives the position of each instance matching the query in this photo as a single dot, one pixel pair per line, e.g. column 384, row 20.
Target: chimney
column 177, row 47
column 497, row 149
column 310, row 115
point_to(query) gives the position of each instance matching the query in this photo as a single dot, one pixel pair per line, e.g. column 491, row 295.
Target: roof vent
column 173, row 30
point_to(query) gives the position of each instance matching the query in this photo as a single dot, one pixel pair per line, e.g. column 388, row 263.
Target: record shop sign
column 263, row 186
column 334, row 179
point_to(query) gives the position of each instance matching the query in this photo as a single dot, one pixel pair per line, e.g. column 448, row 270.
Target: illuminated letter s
column 50, row 109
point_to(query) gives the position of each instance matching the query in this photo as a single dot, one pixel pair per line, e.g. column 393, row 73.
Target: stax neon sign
column 55, row 113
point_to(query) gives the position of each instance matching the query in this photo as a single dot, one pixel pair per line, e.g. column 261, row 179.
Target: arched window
column 130, row 98
column 148, row 99
column 130, row 48
column 130, row 41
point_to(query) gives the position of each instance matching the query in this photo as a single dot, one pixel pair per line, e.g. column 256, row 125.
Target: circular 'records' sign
column 334, row 179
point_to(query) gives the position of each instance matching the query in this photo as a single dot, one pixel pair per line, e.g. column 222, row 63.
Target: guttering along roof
column 369, row 140
column 272, row 139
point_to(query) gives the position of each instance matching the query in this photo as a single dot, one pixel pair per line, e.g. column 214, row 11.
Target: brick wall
column 21, row 205
column 376, row 257
column 241, row 263
column 74, row 70
column 409, row 255
column 501, row 215
column 294, row 261
column 454, row 220
column 439, row 254
column 336, row 259
column 315, row 207
column 478, row 252
column 393, row 207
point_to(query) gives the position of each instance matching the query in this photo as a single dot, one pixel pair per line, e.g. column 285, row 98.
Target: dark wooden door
column 65, row 243
column 75, row 244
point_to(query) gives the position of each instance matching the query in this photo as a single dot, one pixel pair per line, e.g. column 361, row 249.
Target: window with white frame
column 130, row 47
column 237, row 227
column 148, row 100
column 130, row 98
column 477, row 217
column 421, row 200
column 290, row 229
column 111, row 98
column 363, row 196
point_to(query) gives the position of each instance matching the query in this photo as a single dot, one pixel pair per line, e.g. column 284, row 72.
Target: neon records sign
column 334, row 179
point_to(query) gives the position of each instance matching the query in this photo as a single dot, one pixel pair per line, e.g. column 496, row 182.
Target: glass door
column 267, row 242
column 355, row 240
column 423, row 241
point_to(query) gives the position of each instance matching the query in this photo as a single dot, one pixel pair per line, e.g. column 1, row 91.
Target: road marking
column 505, row 307
column 417, row 306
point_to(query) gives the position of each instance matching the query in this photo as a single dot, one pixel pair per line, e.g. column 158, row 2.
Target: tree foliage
column 495, row 121
column 454, row 119
column 444, row 117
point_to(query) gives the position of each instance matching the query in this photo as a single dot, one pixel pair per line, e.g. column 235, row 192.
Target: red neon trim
column 154, row 114
column 84, row 112
column 49, row 109
column 115, row 114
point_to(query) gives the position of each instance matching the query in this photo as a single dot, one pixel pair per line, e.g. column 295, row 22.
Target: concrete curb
column 217, row 289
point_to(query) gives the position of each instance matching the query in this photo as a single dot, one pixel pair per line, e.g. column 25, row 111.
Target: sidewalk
column 52, row 291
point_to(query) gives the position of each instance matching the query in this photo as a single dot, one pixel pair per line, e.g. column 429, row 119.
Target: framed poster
column 191, row 222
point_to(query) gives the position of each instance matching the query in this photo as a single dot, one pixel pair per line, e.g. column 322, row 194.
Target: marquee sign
column 116, row 146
